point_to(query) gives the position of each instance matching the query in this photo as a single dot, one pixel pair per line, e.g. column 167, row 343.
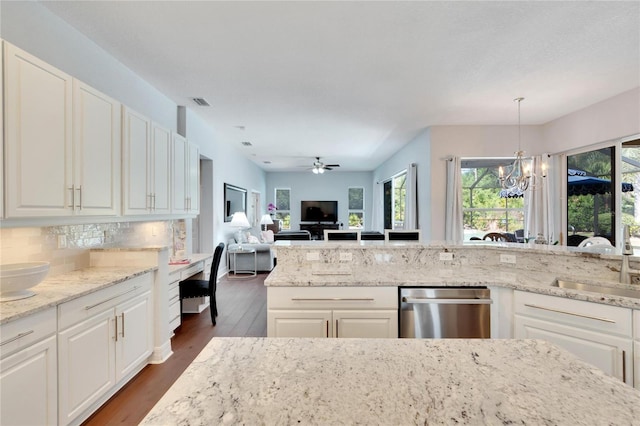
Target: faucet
column 627, row 250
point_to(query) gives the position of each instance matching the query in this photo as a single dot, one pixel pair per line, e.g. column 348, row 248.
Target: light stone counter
column 62, row 288
column 374, row 264
column 273, row 381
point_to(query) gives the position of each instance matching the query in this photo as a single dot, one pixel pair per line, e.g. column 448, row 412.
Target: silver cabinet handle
column 111, row 298
column 122, row 315
column 72, row 188
column 79, row 189
column 154, row 201
column 116, row 322
column 327, row 328
column 624, row 366
column 337, row 328
column 332, row 299
column 569, row 313
column 419, row 300
column 14, row 338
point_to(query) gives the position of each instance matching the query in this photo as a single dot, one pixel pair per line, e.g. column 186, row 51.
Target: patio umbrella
column 589, row 185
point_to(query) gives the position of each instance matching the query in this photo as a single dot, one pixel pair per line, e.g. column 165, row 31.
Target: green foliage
column 355, row 220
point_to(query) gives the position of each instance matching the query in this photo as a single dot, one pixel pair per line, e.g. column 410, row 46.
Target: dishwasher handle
column 422, row 300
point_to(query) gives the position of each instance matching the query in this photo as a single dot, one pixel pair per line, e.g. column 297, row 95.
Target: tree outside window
column 283, row 207
column 356, row 208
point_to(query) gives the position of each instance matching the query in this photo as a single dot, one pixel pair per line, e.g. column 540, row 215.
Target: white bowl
column 17, row 278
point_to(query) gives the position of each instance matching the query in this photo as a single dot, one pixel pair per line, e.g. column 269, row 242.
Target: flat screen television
column 319, row 211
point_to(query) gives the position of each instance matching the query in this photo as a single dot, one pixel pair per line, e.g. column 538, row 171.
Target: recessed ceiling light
column 246, row 143
column 201, row 101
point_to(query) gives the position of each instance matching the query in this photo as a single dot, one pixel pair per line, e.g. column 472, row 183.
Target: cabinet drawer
column 174, row 315
column 636, row 326
column 332, row 297
column 593, row 316
column 23, row 332
column 84, row 307
column 174, row 294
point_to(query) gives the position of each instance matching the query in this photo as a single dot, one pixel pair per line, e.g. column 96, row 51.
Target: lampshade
column 266, row 220
column 239, row 220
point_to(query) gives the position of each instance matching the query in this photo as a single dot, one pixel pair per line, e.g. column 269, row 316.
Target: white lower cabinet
column 104, row 339
column 175, row 317
column 598, row 334
column 369, row 312
column 28, row 371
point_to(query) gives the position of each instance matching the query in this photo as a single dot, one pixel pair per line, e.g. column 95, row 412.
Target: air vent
column 201, row 101
column 247, row 143
column 267, row 162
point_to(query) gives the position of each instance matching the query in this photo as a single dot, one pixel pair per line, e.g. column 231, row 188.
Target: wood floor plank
column 241, row 313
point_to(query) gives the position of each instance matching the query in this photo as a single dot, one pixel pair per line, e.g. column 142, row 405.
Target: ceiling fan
column 319, row 167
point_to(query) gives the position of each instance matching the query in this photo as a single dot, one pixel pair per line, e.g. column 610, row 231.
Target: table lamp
column 239, row 220
column 266, row 220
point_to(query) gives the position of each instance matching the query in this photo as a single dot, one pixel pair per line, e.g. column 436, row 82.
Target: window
column 356, row 207
column 630, row 186
column 283, row 207
column 485, row 207
column 395, row 190
column 590, row 195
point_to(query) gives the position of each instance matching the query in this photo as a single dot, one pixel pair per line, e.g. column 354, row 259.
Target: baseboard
column 161, row 353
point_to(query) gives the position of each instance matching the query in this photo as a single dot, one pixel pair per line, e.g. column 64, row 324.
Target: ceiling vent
column 201, row 101
column 247, row 143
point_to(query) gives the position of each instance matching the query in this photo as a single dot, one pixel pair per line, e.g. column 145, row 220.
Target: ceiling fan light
column 315, row 170
column 320, row 170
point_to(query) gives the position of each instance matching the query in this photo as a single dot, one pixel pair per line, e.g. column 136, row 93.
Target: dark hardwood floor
column 242, row 312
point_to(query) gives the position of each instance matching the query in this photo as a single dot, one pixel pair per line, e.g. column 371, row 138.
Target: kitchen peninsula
column 399, row 382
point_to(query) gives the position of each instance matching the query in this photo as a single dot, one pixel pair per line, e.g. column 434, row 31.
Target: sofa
column 264, row 254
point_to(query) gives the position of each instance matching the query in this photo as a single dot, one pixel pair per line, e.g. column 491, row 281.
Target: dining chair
column 402, row 235
column 495, row 236
column 202, row 288
column 341, row 235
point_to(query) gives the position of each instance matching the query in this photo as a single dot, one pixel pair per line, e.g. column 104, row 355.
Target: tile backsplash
column 67, row 246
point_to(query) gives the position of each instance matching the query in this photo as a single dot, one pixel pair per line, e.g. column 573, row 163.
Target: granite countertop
column 64, row 287
column 392, row 381
column 462, row 276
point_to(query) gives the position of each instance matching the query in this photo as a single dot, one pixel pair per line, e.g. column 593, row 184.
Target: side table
column 235, row 270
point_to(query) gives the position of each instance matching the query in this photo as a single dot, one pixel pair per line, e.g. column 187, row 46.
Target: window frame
column 360, row 211
column 281, row 214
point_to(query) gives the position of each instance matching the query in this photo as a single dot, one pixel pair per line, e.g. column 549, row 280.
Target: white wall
column 612, row 118
column 329, row 186
column 417, row 151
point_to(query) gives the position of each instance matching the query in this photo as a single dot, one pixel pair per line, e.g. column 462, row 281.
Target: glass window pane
column 356, row 220
column 590, row 195
column 356, row 198
column 285, row 219
column 283, row 199
column 630, row 207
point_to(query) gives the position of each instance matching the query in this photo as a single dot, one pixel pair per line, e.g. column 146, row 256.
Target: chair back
column 341, row 235
column 402, row 235
column 371, row 235
column 213, row 277
column 292, row 236
column 495, row 236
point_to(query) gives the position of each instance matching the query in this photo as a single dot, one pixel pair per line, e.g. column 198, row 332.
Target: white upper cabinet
column 147, row 165
column 96, row 141
column 62, row 142
column 185, row 176
column 161, row 169
column 38, row 137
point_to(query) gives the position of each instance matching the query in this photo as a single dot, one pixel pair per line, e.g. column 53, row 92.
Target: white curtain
column 453, row 231
column 411, row 198
column 377, row 215
column 539, row 208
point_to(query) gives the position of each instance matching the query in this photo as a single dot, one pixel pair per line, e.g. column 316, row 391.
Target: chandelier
column 518, row 174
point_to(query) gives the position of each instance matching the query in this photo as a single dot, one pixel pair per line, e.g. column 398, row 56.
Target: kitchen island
column 399, row 382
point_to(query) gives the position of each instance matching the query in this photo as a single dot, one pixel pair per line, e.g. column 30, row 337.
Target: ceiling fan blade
column 332, row 165
column 328, row 168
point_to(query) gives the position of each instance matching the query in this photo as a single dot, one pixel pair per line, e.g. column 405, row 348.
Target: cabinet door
column 613, row 355
column 28, row 385
column 96, row 142
column 86, row 364
column 636, row 365
column 136, row 161
column 179, row 174
column 193, row 170
column 161, row 170
column 370, row 324
column 37, row 109
column 134, row 341
column 307, row 323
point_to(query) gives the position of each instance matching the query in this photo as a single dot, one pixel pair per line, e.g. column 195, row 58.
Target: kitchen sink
column 594, row 288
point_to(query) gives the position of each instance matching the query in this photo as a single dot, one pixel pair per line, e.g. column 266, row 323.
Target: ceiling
column 353, row 82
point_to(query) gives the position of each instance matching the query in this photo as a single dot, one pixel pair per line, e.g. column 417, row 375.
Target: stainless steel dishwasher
column 445, row 312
